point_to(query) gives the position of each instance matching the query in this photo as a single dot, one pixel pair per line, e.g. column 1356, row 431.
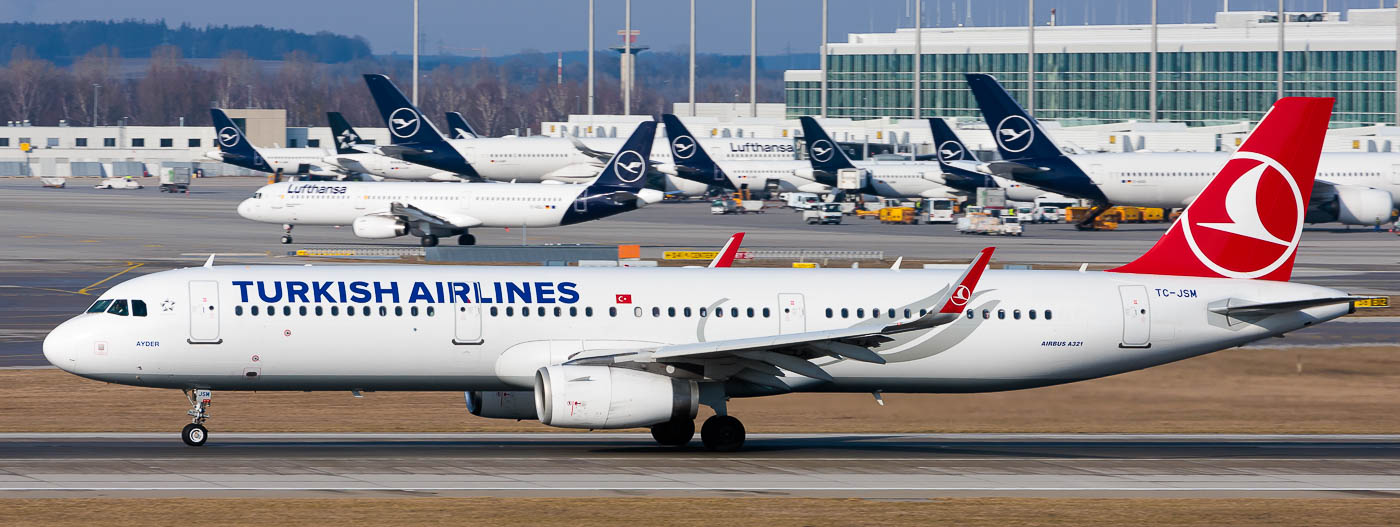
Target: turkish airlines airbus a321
column 599, row 348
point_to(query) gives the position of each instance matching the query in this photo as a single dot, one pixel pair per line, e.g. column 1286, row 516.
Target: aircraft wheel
column 674, row 433
column 429, row 240
column 722, row 433
column 286, row 239
column 194, row 434
column 466, row 239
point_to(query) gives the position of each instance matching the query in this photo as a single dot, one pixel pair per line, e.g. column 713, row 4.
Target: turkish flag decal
column 624, row 299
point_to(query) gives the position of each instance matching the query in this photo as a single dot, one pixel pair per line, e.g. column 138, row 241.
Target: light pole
column 590, row 57
column 824, row 72
column 692, row 58
column 94, row 103
column 415, row 52
column 627, row 55
column 753, row 58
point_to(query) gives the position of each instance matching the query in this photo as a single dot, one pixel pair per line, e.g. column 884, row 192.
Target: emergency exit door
column 792, row 313
column 204, row 312
column 1137, row 317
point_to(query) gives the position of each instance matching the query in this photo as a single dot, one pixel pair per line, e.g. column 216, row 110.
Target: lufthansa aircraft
column 388, row 210
column 525, row 159
column 1352, row 188
column 351, row 157
column 599, row 348
column 236, row 150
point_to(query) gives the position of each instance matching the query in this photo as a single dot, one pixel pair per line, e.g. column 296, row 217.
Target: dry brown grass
column 707, row 511
column 1351, row 390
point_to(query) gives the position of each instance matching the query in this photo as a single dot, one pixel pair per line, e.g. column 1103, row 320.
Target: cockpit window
column 100, row 306
column 118, row 308
column 138, row 308
column 257, row 195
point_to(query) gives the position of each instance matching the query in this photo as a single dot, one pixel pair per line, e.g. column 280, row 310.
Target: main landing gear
column 194, row 433
column 286, row 233
column 429, row 240
column 720, row 433
column 466, row 239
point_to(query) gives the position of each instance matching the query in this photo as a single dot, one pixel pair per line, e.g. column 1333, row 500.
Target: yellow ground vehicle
column 905, row 215
column 1153, row 215
column 867, row 214
column 1107, row 221
column 1128, row 214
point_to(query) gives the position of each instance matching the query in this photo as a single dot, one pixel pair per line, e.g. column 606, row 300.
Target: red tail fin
column 725, row 258
column 1248, row 221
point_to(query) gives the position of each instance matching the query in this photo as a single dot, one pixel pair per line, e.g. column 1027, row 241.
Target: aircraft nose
column 60, row 346
column 246, row 208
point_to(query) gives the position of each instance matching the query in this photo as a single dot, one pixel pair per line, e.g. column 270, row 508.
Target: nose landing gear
column 194, row 434
column 287, row 233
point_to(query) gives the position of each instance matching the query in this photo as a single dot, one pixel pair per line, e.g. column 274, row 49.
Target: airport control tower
column 627, row 76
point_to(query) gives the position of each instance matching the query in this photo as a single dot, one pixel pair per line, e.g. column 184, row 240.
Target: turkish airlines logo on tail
column 1252, row 227
column 960, row 296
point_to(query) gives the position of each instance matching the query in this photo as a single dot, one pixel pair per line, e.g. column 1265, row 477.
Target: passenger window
column 253, row 310
column 100, row 306
column 138, row 308
column 845, row 313
column 588, row 311
column 286, row 311
column 875, row 312
column 510, row 311
column 573, row 311
column 986, row 314
column 383, row 311
column 907, row 313
column 1032, row 314
column 301, row 310
column 923, row 312
column 238, row 311
column 766, row 312
column 734, row 312
column 892, row 315
column 612, row 311
column 860, row 312
column 969, row 314
column 335, row 310
column 540, row 311
column 1047, row 314
column 656, row 312
column 750, row 312
column 365, row 311
column 430, row 311
column 1016, row 314
column 1001, row 314
column 719, row 312
column 828, row 312
column 524, row 311
column 704, row 312
column 413, row 311
column 671, row 312
column 118, row 308
column 687, row 312
column 319, row 310
column 637, row 311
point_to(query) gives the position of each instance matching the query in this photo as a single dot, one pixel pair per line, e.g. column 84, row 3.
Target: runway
column 627, row 464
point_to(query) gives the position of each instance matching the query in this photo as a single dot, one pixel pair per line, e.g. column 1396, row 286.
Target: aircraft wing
column 394, row 151
column 1235, row 306
column 585, row 150
column 1007, row 168
column 760, row 359
column 414, row 214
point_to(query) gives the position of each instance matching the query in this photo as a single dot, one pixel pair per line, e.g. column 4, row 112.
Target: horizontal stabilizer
column 1235, row 306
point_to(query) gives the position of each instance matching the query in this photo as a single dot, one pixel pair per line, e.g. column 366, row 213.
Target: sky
column 503, row 27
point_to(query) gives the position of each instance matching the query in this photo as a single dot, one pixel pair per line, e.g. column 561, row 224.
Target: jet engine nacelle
column 1363, row 206
column 379, row 227
column 685, row 186
column 502, row 405
column 601, row 397
column 805, row 173
column 575, row 173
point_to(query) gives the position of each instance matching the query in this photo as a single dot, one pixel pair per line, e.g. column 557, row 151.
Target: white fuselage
column 294, row 160
column 388, row 167
column 1173, row 179
column 537, row 159
column 465, row 205
column 404, row 327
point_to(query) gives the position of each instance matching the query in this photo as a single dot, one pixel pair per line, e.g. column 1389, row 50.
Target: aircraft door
column 792, row 313
column 204, row 314
column 467, row 321
column 1137, row 317
column 1395, row 174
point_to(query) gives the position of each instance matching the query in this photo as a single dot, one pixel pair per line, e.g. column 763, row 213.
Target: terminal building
column 1221, row 72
